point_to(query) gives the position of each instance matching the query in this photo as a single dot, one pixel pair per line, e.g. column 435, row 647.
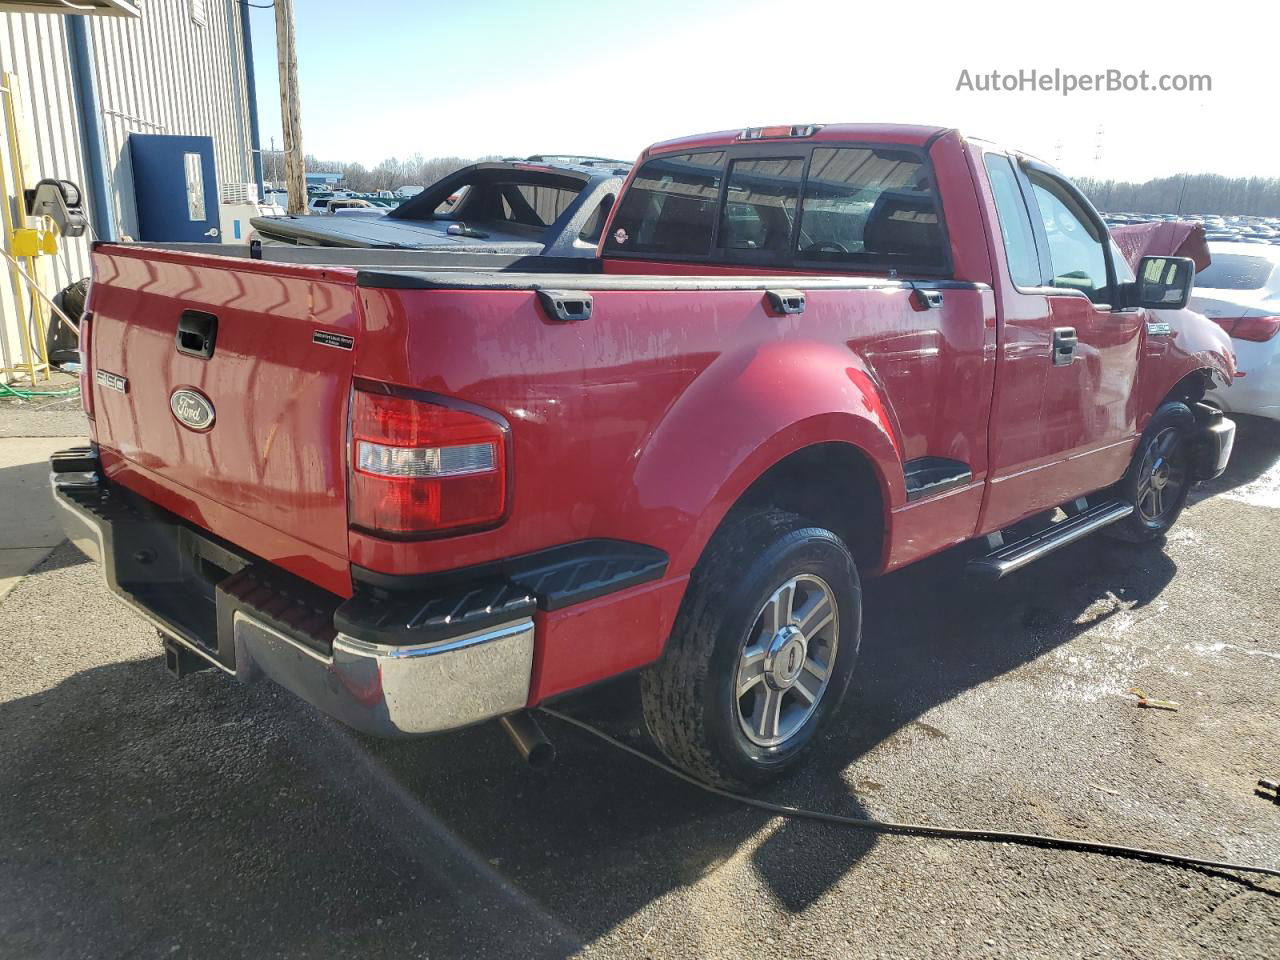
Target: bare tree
column 1188, row 193
column 388, row 174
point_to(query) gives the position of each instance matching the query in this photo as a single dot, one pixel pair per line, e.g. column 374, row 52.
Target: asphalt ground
column 144, row 817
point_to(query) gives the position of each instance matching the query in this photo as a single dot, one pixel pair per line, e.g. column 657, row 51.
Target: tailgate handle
column 566, row 305
column 197, row 333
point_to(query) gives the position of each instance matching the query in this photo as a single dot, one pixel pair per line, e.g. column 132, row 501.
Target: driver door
column 1064, row 421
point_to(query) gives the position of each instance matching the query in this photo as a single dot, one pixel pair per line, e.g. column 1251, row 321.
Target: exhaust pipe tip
column 527, row 735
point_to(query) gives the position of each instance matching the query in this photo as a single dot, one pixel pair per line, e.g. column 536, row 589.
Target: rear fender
column 746, row 412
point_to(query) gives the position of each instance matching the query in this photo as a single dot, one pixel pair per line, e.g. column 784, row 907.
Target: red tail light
column 421, row 464
column 86, row 365
column 1255, row 329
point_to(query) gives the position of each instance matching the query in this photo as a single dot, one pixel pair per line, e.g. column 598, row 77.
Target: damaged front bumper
column 1215, row 438
column 446, row 663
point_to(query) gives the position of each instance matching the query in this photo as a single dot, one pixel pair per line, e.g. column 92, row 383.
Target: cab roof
column 902, row 134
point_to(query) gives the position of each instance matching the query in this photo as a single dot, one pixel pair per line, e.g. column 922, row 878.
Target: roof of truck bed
column 900, row 133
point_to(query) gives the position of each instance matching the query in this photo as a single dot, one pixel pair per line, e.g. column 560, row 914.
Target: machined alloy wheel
column 761, row 653
column 1162, row 475
column 1159, row 475
column 786, row 662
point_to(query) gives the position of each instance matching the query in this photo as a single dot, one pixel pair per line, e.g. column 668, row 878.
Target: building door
column 175, row 188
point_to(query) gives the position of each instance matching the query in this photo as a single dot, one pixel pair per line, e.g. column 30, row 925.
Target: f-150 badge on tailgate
column 191, row 409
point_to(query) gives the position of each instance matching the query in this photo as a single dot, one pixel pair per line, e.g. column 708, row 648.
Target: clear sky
column 473, row 77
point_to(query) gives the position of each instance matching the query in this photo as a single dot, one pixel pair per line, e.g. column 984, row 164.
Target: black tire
column 690, row 701
column 1168, row 440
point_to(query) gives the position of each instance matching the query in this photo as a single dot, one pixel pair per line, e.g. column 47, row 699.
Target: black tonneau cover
column 384, row 231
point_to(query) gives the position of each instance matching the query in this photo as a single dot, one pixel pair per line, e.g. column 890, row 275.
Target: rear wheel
column 762, row 651
column 1159, row 478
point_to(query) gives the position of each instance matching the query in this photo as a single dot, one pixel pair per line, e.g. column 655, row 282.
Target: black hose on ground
column 919, row 829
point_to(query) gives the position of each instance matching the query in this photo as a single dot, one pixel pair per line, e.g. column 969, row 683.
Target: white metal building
column 87, row 82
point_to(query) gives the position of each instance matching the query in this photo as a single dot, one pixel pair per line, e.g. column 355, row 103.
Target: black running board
column 1010, row 557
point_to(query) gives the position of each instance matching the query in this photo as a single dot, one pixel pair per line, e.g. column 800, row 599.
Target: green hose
column 6, row 390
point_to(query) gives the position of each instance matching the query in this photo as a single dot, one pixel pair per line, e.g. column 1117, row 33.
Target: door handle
column 211, row 232
column 1064, row 345
column 785, row 301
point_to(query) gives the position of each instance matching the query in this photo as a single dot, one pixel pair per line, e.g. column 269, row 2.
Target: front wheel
column 761, row 653
column 1159, row 477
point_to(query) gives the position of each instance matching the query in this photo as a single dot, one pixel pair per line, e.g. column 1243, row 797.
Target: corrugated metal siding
column 34, row 47
column 161, row 73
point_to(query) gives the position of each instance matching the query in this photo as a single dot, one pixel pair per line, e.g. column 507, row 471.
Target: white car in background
column 1240, row 291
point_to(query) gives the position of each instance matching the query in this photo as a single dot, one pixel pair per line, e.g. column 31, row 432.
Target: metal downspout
column 95, row 154
column 251, row 89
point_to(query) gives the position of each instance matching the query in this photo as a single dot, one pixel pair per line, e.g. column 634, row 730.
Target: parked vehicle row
column 1239, row 229
column 422, row 494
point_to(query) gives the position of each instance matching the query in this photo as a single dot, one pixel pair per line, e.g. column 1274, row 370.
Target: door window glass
column 1077, row 254
column 195, row 186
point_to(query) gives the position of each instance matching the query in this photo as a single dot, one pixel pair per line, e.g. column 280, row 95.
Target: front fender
column 745, row 413
column 1194, row 342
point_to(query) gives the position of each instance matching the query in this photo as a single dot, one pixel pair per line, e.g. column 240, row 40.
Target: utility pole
column 290, row 109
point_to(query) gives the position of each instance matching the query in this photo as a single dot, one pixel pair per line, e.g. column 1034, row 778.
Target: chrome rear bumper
column 259, row 621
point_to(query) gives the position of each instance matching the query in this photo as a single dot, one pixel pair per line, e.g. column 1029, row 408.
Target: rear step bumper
column 250, row 619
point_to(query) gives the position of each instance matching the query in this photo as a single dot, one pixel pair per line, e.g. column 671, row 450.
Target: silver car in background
column 1240, row 291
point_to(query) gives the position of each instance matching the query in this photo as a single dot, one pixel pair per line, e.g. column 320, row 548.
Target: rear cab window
column 786, row 205
column 670, row 208
column 871, row 206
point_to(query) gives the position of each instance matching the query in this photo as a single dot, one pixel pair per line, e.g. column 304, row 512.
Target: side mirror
column 1164, row 283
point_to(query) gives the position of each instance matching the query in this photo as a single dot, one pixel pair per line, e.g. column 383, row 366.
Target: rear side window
column 1015, row 222
column 871, row 205
column 1235, row 271
column 760, row 204
column 670, row 207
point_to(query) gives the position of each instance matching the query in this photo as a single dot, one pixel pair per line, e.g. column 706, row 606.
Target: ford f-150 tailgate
column 220, row 390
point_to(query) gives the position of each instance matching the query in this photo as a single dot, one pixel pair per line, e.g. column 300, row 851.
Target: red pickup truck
column 421, row 494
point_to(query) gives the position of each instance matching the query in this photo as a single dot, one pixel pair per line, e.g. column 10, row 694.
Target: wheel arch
column 834, row 484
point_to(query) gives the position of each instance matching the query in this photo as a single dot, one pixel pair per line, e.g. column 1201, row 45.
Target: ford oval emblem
column 191, row 408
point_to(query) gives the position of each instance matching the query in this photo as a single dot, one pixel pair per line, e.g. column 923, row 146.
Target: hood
column 1166, row 238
